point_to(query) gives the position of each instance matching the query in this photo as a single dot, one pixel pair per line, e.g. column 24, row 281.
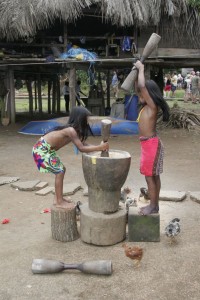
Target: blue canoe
column 119, row 126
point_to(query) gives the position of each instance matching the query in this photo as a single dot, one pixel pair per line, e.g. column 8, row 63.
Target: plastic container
column 131, row 107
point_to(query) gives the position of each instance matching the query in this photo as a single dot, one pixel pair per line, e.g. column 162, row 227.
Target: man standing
column 114, row 84
column 195, row 82
column 66, row 96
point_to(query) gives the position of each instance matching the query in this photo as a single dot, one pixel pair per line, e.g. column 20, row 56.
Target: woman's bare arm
column 141, row 85
column 84, row 147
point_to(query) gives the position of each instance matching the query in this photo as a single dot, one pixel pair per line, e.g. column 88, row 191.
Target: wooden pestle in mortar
column 105, row 133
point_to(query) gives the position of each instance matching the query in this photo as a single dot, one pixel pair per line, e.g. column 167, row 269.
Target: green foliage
column 194, row 3
column 175, row 104
column 82, row 75
column 170, row 71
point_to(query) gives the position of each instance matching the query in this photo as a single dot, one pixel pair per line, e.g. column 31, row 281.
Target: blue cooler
column 131, row 107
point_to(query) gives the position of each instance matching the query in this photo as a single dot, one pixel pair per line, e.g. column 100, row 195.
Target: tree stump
column 63, row 223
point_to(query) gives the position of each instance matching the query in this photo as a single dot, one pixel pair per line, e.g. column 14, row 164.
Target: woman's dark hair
column 78, row 120
column 157, row 97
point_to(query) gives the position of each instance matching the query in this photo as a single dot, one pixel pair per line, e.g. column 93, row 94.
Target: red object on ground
column 5, row 221
column 46, row 210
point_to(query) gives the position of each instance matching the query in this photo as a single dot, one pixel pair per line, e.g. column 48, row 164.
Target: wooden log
column 63, row 223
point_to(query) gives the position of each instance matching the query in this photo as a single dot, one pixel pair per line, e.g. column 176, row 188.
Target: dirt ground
column 166, row 272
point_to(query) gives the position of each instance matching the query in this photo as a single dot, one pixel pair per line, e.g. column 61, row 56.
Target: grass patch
column 22, row 104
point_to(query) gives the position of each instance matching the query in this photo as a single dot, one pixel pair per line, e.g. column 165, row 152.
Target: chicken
column 124, row 192
column 130, row 202
column 144, row 193
column 78, row 210
column 133, row 252
column 173, row 229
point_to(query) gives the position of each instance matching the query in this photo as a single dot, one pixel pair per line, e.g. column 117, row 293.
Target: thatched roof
column 22, row 18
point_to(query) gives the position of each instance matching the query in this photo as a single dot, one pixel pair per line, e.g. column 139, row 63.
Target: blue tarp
column 119, row 126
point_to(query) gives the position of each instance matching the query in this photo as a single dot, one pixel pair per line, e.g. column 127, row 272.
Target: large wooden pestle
column 46, row 266
column 105, row 133
column 152, row 43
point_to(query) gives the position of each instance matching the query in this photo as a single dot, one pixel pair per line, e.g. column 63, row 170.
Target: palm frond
column 22, row 18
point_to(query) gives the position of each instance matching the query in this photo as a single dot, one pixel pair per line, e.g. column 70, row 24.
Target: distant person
column 78, row 92
column 198, row 74
column 187, row 88
column 174, row 83
column 179, row 81
column 152, row 151
column 45, row 150
column 115, row 84
column 66, row 96
column 195, row 83
column 167, row 87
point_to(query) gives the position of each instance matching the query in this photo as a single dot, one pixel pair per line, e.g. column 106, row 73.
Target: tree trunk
column 63, row 224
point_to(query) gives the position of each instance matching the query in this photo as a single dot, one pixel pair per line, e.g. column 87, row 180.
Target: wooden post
column 58, row 93
column 108, row 88
column 65, row 37
column 135, row 35
column 39, row 95
column 63, row 223
column 11, row 98
column 72, row 85
column 30, row 93
column 147, row 71
column 54, row 96
column 35, row 85
column 49, row 95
